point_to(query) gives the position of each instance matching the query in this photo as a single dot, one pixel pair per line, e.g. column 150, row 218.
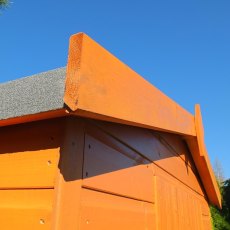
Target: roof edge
column 202, row 161
column 34, row 117
column 73, row 71
column 99, row 83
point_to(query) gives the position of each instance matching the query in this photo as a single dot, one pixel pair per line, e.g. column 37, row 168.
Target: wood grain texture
column 69, row 179
column 29, row 154
column 115, row 172
column 31, row 169
column 166, row 154
column 184, row 207
column 98, row 83
column 26, row 209
column 179, row 199
column 104, row 211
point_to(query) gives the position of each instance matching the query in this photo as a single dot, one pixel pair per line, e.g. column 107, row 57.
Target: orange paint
column 26, row 209
column 147, row 168
column 34, row 117
column 98, row 83
column 215, row 196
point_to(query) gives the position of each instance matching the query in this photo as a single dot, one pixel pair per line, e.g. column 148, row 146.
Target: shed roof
column 31, row 95
column 96, row 84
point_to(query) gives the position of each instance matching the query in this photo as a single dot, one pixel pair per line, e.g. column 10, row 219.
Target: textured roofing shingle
column 30, row 95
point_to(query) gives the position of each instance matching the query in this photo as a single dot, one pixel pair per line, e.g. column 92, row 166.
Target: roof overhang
column 200, row 156
column 97, row 85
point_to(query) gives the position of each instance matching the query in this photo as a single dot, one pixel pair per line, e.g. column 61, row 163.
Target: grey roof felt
column 30, row 95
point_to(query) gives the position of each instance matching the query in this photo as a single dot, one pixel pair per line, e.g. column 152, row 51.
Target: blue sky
column 182, row 47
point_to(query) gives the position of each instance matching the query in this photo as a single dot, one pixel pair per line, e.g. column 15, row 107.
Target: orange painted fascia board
column 98, row 83
column 200, row 156
column 215, row 192
column 34, row 117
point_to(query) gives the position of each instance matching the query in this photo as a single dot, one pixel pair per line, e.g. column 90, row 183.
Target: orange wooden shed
column 95, row 146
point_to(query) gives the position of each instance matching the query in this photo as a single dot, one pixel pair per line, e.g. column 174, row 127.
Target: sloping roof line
column 31, row 95
column 98, row 82
column 97, row 85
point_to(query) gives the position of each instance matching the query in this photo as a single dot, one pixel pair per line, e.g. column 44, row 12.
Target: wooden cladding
column 82, row 174
column 112, row 171
column 158, row 148
column 125, row 167
column 32, row 169
column 26, row 209
column 29, row 155
column 29, row 158
column 183, row 206
column 106, row 211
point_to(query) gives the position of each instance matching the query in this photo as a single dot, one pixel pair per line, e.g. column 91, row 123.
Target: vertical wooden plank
column 68, row 188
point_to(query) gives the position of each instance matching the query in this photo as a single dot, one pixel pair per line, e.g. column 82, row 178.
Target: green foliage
column 226, row 199
column 221, row 218
column 218, row 221
column 4, row 3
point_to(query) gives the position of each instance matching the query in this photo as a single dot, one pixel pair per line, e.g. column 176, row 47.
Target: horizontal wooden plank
column 30, row 169
column 139, row 139
column 46, row 134
column 152, row 142
column 110, row 170
column 176, row 145
column 175, row 167
column 26, row 209
column 170, row 156
column 105, row 211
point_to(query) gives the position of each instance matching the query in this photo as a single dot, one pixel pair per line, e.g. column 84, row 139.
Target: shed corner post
column 68, row 184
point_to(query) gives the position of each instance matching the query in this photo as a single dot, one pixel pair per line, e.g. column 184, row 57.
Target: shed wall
column 75, row 173
column 29, row 156
column 135, row 178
